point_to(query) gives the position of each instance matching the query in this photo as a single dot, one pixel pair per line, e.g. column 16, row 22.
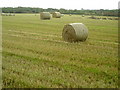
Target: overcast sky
column 67, row 4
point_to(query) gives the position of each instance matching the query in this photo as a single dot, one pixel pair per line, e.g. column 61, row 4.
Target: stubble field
column 35, row 55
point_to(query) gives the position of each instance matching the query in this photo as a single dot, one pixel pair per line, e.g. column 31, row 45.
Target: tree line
column 102, row 12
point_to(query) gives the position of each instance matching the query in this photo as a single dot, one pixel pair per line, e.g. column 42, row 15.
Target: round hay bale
column 3, row 14
column 116, row 19
column 104, row 18
column 92, row 17
column 45, row 15
column 12, row 14
column 56, row 15
column 75, row 32
column 83, row 15
column 109, row 18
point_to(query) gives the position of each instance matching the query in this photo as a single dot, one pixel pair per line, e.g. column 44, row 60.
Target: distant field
column 35, row 55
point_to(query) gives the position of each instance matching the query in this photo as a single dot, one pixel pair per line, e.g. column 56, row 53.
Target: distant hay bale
column 70, row 14
column 92, row 17
column 3, row 14
column 45, row 15
column 56, row 15
column 9, row 14
column 116, row 19
column 98, row 18
column 83, row 15
column 13, row 14
column 75, row 32
column 110, row 18
column 104, row 18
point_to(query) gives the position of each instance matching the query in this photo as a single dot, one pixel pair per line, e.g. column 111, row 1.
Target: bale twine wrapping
column 45, row 15
column 56, row 15
column 75, row 32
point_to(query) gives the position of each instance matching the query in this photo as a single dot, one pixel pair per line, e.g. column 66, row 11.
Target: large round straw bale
column 74, row 32
column 56, row 15
column 45, row 15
